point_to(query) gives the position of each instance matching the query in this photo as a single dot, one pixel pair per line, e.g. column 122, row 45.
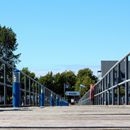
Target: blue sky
column 58, row 35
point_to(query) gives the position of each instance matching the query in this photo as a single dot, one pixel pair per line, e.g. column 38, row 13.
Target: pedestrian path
column 66, row 118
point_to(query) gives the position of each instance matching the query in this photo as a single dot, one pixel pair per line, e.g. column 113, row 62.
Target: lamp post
column 82, row 86
column 65, row 86
column 64, row 89
column 99, row 74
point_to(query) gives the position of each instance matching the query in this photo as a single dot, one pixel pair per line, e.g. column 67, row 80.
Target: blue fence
column 30, row 92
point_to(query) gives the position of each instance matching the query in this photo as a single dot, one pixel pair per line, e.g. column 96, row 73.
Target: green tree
column 29, row 73
column 85, row 77
column 59, row 84
column 47, row 80
column 8, row 44
column 69, row 78
column 56, row 82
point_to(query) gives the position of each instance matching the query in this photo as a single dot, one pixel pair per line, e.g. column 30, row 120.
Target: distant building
column 106, row 65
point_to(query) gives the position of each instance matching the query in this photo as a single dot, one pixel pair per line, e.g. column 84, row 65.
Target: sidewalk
column 72, row 117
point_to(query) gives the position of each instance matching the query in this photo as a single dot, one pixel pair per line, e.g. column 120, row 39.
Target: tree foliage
column 47, row 80
column 56, row 82
column 85, row 77
column 29, row 73
column 8, row 44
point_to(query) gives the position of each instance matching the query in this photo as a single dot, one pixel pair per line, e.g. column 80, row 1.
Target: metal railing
column 30, row 89
column 113, row 88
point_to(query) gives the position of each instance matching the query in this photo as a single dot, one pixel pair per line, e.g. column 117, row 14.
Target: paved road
column 66, row 118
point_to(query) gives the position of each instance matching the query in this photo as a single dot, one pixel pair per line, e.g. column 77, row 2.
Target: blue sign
column 72, row 93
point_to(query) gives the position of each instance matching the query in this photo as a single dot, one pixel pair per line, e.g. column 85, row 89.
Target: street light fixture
column 82, row 86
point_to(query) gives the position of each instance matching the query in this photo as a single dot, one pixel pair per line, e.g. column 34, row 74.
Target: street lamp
column 82, row 86
column 99, row 74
